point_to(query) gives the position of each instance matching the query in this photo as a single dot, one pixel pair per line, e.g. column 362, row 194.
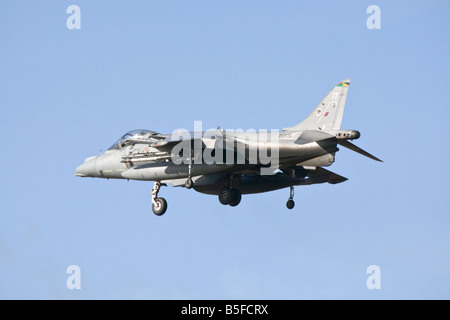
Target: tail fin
column 328, row 114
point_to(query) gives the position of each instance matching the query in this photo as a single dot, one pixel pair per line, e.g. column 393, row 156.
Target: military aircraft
column 229, row 164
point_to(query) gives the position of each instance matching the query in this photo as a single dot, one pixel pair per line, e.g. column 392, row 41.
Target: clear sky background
column 160, row 65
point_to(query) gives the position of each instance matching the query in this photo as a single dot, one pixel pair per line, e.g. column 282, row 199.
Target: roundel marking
column 318, row 112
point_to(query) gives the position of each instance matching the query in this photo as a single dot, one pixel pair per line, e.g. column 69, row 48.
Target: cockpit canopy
column 134, row 134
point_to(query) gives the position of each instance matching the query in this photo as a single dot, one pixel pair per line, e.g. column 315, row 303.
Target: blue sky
column 160, row 65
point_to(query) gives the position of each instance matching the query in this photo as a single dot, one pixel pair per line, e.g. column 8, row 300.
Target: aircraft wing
column 164, row 145
column 313, row 175
column 321, row 175
column 254, row 183
column 227, row 143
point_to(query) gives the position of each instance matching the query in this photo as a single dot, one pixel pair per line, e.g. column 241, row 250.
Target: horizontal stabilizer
column 313, row 136
column 351, row 146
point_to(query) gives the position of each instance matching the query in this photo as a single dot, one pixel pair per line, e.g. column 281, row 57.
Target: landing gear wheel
column 290, row 204
column 226, row 195
column 236, row 198
column 160, row 206
column 189, row 183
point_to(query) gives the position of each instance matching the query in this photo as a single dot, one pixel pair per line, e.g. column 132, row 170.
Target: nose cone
column 87, row 169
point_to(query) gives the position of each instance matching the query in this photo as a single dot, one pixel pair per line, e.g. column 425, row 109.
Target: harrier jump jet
column 230, row 164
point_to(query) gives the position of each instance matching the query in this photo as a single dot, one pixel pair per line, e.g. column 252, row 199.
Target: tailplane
column 328, row 114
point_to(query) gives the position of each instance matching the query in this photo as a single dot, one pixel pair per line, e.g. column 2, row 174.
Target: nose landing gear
column 159, row 206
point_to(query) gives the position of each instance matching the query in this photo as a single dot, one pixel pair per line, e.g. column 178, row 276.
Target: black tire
column 189, row 183
column 237, row 196
column 226, row 195
column 161, row 206
column 290, row 204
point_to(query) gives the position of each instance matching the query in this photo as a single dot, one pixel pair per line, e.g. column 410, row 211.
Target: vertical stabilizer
column 328, row 114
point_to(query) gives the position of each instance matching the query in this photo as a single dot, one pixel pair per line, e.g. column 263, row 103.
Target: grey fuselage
column 294, row 147
column 233, row 162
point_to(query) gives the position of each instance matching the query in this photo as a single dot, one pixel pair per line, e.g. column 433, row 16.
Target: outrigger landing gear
column 159, row 206
column 189, row 183
column 290, row 203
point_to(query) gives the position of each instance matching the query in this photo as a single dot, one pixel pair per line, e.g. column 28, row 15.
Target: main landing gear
column 230, row 196
column 290, row 203
column 159, row 206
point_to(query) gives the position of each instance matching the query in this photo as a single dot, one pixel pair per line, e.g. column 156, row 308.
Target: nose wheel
column 159, row 206
column 290, row 203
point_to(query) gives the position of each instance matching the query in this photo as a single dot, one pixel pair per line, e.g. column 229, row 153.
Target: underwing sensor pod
column 230, row 164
